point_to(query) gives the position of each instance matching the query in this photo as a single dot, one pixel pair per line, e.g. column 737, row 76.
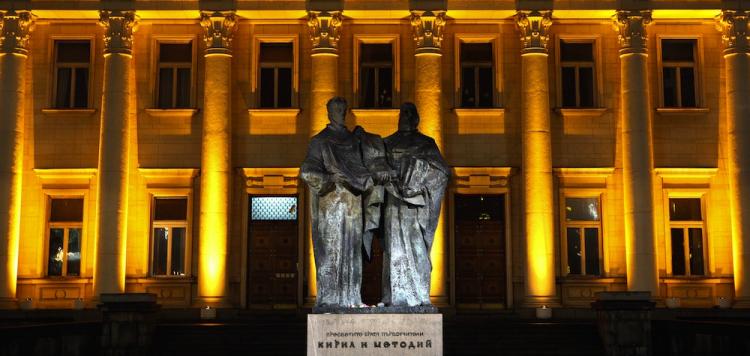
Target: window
column 678, row 72
column 169, row 239
column 376, row 75
column 65, row 230
column 582, row 240
column 275, row 75
column 273, row 208
column 686, row 237
column 577, row 73
column 72, row 62
column 477, row 75
column 175, row 75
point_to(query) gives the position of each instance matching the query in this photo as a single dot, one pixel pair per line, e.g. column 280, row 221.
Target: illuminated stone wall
column 61, row 146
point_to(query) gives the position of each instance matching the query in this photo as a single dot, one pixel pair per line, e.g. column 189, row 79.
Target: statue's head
column 337, row 110
column 408, row 118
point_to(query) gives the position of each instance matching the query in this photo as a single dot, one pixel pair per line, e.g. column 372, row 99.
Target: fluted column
column 427, row 27
column 114, row 138
column 325, row 30
column 14, row 35
column 537, row 158
column 734, row 27
column 216, row 158
column 637, row 156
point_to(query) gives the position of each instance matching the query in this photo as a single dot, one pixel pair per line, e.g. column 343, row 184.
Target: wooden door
column 272, row 251
column 479, row 223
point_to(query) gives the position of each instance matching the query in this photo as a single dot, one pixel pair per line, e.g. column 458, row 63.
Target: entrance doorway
column 479, row 235
column 273, row 233
column 372, row 272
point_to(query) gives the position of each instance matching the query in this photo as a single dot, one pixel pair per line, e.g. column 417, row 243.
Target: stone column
column 14, row 39
column 733, row 25
column 637, row 156
column 428, row 29
column 325, row 31
column 216, row 158
column 114, row 138
column 537, row 158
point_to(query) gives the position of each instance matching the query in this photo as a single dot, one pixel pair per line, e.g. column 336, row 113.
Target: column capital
column 631, row 28
column 534, row 30
column 15, row 28
column 427, row 27
column 733, row 27
column 118, row 30
column 219, row 27
column 324, row 28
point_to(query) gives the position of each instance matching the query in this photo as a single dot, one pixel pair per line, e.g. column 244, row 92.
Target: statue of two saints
column 361, row 183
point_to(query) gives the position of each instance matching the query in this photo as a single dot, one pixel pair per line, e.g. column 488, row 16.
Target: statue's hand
column 381, row 177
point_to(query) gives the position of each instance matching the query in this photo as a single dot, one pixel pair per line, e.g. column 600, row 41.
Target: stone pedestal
column 127, row 323
column 375, row 334
column 624, row 320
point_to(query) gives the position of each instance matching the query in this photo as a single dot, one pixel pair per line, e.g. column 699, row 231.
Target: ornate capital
column 631, row 28
column 428, row 30
column 118, row 30
column 733, row 27
column 219, row 27
column 534, row 28
column 15, row 28
column 325, row 30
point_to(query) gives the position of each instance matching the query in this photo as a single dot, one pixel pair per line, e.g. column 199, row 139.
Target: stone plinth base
column 624, row 320
column 375, row 334
column 421, row 309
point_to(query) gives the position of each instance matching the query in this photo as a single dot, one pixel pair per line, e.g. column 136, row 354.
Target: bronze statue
column 412, row 207
column 343, row 195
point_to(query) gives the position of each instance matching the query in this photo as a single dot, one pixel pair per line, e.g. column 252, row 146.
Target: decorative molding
column 733, row 27
column 68, row 112
column 65, row 176
column 271, row 178
column 171, row 112
column 15, row 29
column 479, row 112
column 273, row 112
column 169, row 177
column 581, row 112
column 119, row 27
column 534, row 30
column 481, row 177
column 682, row 111
column 686, row 176
column 428, row 27
column 324, row 28
column 631, row 28
column 219, row 27
column 583, row 177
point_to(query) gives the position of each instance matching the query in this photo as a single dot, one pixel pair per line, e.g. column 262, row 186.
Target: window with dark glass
column 175, row 75
column 577, row 68
column 582, row 236
column 65, row 231
column 477, row 75
column 686, row 237
column 376, row 75
column 275, row 77
column 169, row 239
column 678, row 60
column 72, row 63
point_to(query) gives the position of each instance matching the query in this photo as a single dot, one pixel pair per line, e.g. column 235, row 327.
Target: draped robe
column 412, row 209
column 339, row 184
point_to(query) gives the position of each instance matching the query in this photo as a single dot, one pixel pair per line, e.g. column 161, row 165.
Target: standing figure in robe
column 340, row 184
column 412, row 208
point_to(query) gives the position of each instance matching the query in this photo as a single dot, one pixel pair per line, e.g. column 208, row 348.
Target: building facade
column 152, row 146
